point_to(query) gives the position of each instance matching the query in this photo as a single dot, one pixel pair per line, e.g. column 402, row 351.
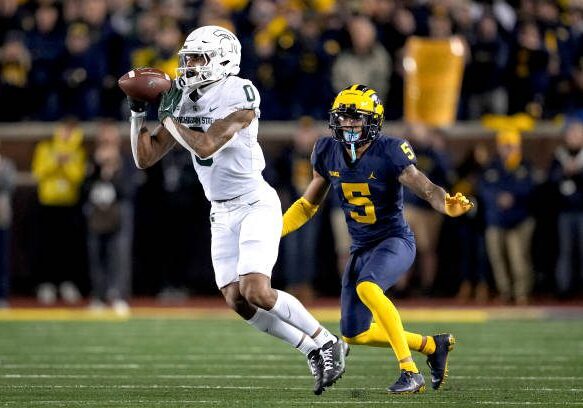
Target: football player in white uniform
column 214, row 114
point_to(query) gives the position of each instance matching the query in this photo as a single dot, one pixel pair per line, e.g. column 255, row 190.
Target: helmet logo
column 230, row 39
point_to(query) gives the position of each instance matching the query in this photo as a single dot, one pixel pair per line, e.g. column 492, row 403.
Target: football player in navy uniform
column 367, row 170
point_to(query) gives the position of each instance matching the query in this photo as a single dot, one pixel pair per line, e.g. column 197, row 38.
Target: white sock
column 307, row 344
column 324, row 337
column 271, row 324
column 290, row 310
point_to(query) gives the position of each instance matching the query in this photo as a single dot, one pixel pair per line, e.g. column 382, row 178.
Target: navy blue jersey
column 369, row 190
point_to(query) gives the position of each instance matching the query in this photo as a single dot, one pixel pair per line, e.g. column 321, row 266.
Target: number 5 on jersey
column 357, row 195
column 407, row 150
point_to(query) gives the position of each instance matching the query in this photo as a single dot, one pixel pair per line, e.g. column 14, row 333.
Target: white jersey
column 235, row 169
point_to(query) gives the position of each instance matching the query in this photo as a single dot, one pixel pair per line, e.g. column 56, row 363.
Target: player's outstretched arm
column 416, row 181
column 147, row 148
column 205, row 144
column 306, row 206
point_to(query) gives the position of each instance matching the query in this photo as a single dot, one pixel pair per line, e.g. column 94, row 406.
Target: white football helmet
column 218, row 49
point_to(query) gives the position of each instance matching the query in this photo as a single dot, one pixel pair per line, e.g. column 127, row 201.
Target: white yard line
column 396, row 401
column 249, row 387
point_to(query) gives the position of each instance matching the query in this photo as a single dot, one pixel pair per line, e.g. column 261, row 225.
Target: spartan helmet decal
column 210, row 53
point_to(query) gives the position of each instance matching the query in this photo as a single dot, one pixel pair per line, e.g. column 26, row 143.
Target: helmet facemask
column 356, row 117
column 351, row 136
column 347, row 134
column 200, row 74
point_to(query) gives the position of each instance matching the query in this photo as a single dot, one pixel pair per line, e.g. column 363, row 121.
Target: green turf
column 185, row 363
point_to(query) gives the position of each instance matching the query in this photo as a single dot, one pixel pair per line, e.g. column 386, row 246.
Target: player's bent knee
column 367, row 291
column 233, row 297
column 239, row 304
column 259, row 295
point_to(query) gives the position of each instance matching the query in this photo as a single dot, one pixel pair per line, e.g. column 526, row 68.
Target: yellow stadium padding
column 328, row 314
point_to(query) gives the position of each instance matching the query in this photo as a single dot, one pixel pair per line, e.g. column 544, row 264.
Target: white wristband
column 138, row 114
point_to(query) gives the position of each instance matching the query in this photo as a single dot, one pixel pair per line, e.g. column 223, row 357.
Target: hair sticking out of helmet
column 356, row 117
column 209, row 54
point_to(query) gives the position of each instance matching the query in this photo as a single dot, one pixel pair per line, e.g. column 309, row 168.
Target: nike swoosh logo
column 212, row 109
column 168, row 106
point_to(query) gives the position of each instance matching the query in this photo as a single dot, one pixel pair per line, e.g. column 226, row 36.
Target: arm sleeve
column 136, row 122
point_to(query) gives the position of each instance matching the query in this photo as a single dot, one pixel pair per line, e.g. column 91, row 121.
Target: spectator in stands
column 83, row 68
column 262, row 65
column 10, row 18
column 108, row 209
column 161, row 54
column 567, row 173
column 72, row 11
column 46, row 44
column 300, row 254
column 403, row 25
column 483, row 79
column 471, row 254
column 424, row 221
column 366, row 62
column 15, row 65
column 7, row 180
column 106, row 43
column 505, row 187
column 528, row 76
column 145, row 30
column 560, row 46
column 577, row 82
column 185, row 222
column 312, row 59
column 440, row 26
column 396, row 32
column 58, row 165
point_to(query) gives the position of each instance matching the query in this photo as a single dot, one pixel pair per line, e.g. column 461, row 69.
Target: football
column 144, row 84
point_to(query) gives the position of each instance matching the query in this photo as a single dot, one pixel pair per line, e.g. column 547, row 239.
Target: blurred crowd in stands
column 93, row 226
column 64, row 57
column 102, row 229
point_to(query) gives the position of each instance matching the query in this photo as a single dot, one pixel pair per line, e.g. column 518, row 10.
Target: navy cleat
column 333, row 357
column 408, row 383
column 437, row 361
column 316, row 365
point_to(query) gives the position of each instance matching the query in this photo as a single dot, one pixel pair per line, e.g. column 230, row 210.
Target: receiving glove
column 136, row 105
column 169, row 101
column 457, row 205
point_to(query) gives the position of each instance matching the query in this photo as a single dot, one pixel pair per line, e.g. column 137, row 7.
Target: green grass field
column 149, row 362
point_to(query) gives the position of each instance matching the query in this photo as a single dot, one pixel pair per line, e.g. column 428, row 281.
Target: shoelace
column 327, row 357
column 403, row 379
